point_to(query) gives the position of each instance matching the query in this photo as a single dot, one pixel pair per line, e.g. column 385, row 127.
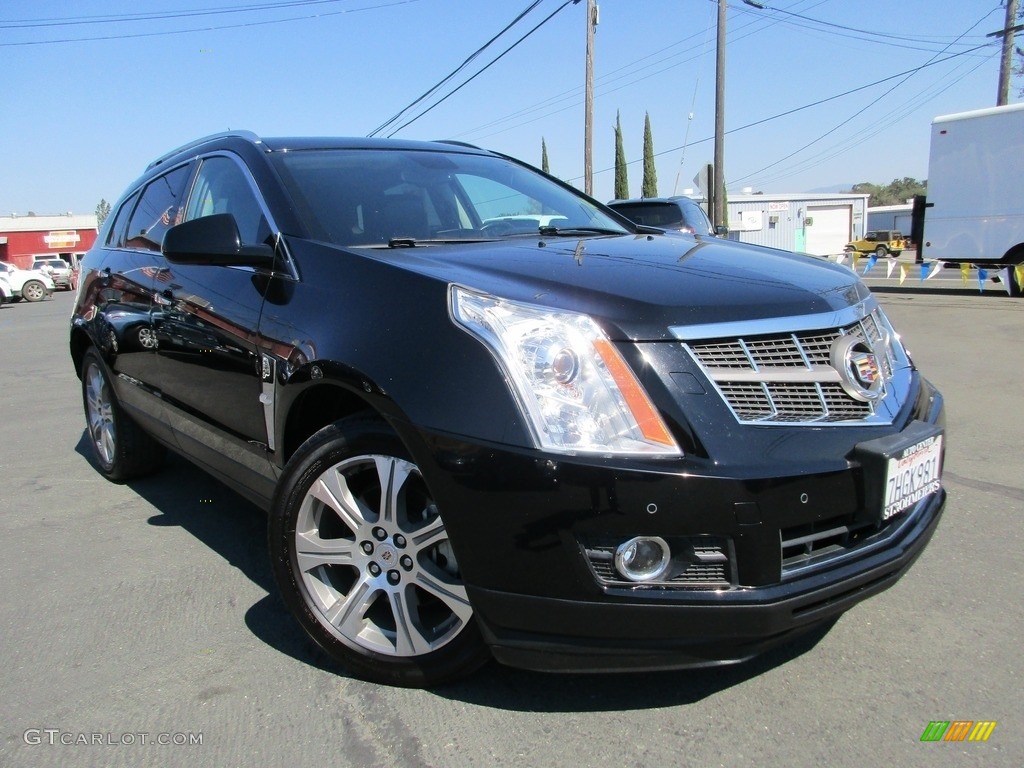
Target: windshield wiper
column 413, row 242
column 550, row 231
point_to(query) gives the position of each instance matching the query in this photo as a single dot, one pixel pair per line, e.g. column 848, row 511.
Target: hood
column 637, row 286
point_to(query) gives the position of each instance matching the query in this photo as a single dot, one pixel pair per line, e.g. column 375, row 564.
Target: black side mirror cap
column 213, row 240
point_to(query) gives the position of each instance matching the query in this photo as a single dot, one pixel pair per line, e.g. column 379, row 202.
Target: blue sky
column 83, row 117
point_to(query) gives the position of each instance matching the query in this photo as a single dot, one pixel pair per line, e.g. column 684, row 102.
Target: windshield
column 374, row 197
column 683, row 215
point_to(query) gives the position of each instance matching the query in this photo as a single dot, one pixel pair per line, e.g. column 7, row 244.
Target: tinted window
column 116, row 233
column 222, row 186
column 683, row 214
column 159, row 209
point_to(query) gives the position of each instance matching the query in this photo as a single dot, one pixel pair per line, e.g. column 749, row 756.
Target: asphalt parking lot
column 141, row 627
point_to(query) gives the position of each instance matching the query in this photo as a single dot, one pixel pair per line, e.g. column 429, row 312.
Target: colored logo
column 859, row 366
column 958, row 730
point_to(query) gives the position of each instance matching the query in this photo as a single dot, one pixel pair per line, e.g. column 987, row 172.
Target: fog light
column 644, row 558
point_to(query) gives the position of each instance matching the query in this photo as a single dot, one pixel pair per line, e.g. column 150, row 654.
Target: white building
column 810, row 223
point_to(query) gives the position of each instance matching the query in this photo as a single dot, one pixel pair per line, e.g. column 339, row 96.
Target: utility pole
column 718, row 184
column 1006, row 62
column 588, row 119
column 718, row 202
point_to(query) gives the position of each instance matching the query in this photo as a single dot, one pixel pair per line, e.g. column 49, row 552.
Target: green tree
column 621, row 178
column 650, row 182
column 897, row 192
column 544, row 156
column 102, row 211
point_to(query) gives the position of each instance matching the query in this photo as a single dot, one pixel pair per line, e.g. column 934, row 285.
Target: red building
column 67, row 236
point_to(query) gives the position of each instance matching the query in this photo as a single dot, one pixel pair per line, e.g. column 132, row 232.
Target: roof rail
column 241, row 134
column 455, row 143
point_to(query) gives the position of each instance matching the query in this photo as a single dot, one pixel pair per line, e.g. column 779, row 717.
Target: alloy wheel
column 373, row 556
column 100, row 414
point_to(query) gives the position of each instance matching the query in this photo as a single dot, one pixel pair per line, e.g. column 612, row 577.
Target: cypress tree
column 650, row 182
column 544, row 156
column 621, row 179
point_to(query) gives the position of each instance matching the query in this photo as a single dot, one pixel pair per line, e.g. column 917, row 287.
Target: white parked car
column 27, row 284
column 6, row 294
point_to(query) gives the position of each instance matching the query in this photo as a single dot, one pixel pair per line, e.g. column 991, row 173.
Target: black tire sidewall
column 109, row 470
column 135, row 452
column 353, row 437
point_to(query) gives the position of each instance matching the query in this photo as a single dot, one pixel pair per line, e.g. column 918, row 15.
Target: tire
column 120, row 449
column 881, row 252
column 363, row 561
column 33, row 290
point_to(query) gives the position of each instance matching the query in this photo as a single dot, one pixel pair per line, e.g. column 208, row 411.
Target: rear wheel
column 881, row 252
column 33, row 290
column 361, row 555
column 119, row 446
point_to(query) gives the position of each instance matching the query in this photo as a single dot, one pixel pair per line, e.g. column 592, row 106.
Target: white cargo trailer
column 974, row 210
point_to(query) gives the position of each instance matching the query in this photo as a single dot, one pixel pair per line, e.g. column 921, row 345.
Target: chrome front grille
column 770, row 374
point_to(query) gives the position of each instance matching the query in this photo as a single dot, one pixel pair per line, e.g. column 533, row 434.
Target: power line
column 870, row 104
column 158, row 15
column 522, row 14
column 812, row 104
column 239, row 25
column 859, row 138
column 483, row 69
column 867, row 33
column 625, row 75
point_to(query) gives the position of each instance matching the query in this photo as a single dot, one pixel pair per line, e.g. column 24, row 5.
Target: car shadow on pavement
column 517, row 690
column 187, row 497
column 917, row 290
column 234, row 528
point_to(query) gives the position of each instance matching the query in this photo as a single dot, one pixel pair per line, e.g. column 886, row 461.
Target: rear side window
column 116, row 233
column 159, row 209
column 663, row 215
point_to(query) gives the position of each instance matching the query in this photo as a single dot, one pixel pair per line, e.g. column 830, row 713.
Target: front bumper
column 793, row 550
column 695, row 629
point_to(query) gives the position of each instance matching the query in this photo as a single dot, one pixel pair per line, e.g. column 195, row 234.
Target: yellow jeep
column 881, row 242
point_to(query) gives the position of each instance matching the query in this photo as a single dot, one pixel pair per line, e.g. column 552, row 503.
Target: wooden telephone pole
column 588, row 119
column 1006, row 62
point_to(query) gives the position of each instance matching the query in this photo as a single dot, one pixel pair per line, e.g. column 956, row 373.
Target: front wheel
column 33, row 290
column 363, row 561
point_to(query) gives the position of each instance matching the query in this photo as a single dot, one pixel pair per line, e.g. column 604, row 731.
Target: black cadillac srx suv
column 490, row 417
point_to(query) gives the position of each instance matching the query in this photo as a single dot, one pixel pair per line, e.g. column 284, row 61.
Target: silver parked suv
column 680, row 214
column 58, row 270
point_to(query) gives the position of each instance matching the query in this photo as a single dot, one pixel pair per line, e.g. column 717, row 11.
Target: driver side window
column 221, row 186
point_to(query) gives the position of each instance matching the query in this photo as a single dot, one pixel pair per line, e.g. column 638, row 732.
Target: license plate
column 912, row 475
column 900, row 469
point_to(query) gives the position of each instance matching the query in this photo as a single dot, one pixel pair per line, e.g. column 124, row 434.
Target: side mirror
column 213, row 240
column 721, row 230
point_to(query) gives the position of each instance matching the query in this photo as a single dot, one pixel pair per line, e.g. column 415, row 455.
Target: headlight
column 576, row 391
